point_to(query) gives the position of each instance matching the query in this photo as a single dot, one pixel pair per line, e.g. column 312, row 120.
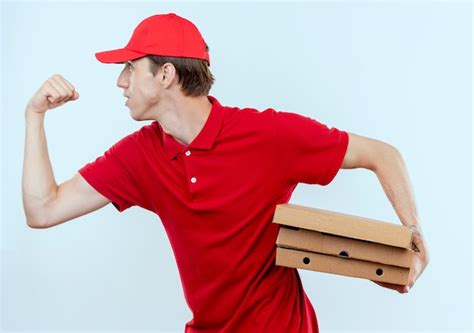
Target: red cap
column 165, row 35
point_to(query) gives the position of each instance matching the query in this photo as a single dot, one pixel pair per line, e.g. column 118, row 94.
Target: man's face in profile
column 141, row 88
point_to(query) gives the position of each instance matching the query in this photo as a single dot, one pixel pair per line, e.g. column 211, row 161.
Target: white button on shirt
column 193, row 180
column 187, row 153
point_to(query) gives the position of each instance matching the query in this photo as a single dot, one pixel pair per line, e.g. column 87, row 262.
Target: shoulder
column 137, row 141
column 249, row 115
column 144, row 134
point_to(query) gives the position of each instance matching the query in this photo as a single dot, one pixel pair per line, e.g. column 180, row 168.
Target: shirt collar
column 205, row 138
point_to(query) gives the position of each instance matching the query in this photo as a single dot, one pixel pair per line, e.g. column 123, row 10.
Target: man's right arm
column 46, row 204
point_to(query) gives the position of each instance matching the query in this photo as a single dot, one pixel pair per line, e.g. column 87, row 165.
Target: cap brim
column 117, row 56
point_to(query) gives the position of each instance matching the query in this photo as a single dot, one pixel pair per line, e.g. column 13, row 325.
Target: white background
column 399, row 72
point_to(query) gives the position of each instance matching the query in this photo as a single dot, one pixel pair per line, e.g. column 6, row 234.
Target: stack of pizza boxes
column 331, row 242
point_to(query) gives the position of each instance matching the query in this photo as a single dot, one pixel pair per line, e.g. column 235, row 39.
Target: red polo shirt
column 216, row 198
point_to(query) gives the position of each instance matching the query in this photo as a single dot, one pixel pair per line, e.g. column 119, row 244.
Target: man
column 213, row 174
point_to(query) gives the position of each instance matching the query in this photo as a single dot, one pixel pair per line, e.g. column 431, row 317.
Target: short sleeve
column 113, row 174
column 307, row 150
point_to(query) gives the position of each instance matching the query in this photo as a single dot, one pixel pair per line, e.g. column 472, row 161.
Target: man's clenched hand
column 53, row 92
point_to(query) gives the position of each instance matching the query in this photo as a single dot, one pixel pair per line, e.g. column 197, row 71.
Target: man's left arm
column 387, row 163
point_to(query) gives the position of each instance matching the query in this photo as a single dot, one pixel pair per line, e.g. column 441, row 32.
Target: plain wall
column 399, row 72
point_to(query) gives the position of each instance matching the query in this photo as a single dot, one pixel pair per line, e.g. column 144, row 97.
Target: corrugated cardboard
column 347, row 267
column 314, row 241
column 331, row 242
column 343, row 225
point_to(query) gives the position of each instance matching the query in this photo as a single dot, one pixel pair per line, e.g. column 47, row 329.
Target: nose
column 123, row 79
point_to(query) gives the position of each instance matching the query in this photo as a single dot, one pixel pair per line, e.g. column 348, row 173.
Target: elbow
column 36, row 212
column 388, row 155
column 35, row 217
column 36, row 224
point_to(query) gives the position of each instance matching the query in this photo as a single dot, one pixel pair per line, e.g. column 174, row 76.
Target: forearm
column 38, row 183
column 393, row 176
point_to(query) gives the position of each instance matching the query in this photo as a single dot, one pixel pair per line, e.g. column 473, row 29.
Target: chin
column 135, row 117
column 141, row 114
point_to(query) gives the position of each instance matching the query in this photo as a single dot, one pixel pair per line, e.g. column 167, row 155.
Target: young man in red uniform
column 213, row 174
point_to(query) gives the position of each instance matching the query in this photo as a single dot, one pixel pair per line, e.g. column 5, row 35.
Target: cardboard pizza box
column 345, row 225
column 344, row 247
column 331, row 242
column 342, row 266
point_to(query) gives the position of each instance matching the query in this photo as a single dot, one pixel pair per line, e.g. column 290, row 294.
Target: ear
column 166, row 75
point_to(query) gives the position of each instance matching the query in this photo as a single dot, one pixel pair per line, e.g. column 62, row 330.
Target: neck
column 183, row 118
